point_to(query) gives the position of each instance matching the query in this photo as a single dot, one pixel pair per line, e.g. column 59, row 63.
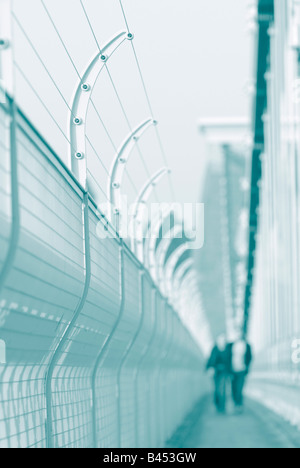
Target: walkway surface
column 257, row 427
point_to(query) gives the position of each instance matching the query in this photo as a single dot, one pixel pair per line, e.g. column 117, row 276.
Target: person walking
column 240, row 358
column 218, row 362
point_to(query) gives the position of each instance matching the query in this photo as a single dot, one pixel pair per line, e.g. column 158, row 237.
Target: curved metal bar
column 143, row 197
column 7, row 81
column 176, row 232
column 161, row 370
column 80, row 103
column 151, row 238
column 119, row 164
column 127, row 351
column 171, row 264
column 6, row 50
column 190, row 281
column 148, row 188
column 144, row 355
column 70, row 325
column 181, row 272
column 105, row 347
column 15, row 203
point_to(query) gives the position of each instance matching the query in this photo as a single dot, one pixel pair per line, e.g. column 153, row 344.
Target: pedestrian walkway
column 257, row 427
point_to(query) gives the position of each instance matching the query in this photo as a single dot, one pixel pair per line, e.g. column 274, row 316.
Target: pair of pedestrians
column 230, row 361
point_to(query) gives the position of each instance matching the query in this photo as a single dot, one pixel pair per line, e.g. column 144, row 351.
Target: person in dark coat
column 218, row 361
column 240, row 358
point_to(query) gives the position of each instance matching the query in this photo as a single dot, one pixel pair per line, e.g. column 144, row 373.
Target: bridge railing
column 94, row 355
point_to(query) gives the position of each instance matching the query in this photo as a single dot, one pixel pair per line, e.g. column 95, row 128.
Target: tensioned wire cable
column 41, row 101
column 56, row 87
column 77, row 72
column 61, row 95
column 51, row 115
column 164, row 156
column 80, row 78
column 118, row 97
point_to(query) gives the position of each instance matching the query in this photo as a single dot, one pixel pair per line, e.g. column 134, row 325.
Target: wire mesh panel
column 153, row 382
column 91, row 355
column 5, row 184
column 48, row 255
column 142, row 367
column 128, row 396
column 108, row 432
column 95, row 357
column 73, row 378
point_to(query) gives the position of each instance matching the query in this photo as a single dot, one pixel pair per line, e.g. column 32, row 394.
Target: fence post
column 80, row 103
column 163, row 403
column 127, row 351
column 101, row 356
column 6, row 81
column 144, row 354
column 60, row 346
column 118, row 166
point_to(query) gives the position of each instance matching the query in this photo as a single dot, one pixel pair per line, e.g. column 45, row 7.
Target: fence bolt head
column 103, row 58
column 4, row 44
column 85, row 87
column 77, row 121
column 130, row 36
column 116, row 185
column 79, row 155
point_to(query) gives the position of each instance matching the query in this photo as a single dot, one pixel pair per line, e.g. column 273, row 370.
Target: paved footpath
column 257, row 427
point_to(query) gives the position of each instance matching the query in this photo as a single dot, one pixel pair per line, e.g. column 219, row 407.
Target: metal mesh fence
column 94, row 356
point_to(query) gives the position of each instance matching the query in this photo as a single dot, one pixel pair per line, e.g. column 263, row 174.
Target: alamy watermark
column 156, row 220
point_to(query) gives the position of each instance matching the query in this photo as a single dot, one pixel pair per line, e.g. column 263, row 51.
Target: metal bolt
column 79, row 155
column 103, row 58
column 77, row 121
column 155, row 122
column 116, row 185
column 122, row 160
column 4, row 44
column 130, row 36
column 85, row 87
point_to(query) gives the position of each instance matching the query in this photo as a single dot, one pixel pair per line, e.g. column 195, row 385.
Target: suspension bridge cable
column 164, row 156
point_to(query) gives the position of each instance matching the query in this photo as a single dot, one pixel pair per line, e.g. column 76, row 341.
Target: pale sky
column 196, row 60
